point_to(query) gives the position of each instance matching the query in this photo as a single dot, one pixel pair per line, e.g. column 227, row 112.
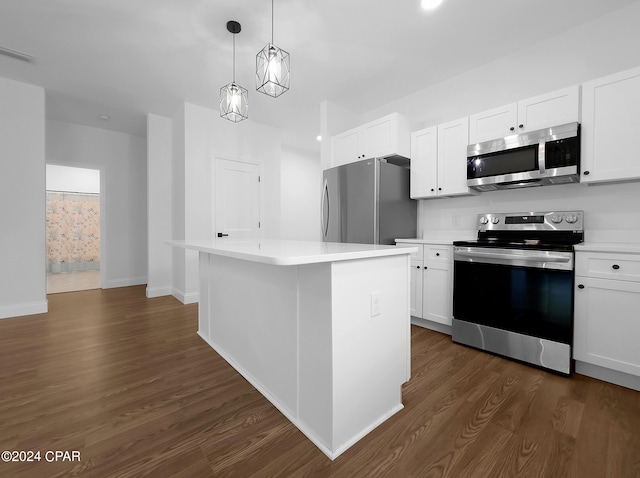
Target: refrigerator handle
column 325, row 198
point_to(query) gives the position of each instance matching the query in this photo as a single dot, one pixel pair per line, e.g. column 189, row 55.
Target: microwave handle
column 541, row 157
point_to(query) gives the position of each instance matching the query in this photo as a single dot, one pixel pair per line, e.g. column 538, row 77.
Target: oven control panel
column 532, row 221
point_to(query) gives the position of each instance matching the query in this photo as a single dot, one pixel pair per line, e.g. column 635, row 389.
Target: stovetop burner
column 533, row 245
column 548, row 231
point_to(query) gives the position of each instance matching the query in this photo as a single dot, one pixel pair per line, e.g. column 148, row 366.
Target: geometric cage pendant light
column 272, row 68
column 234, row 99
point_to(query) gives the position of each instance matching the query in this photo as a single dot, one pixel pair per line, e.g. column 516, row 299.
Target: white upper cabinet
column 346, row 147
column 381, row 138
column 543, row 111
column 452, row 157
column 492, row 124
column 439, row 160
column 424, row 163
column 610, row 125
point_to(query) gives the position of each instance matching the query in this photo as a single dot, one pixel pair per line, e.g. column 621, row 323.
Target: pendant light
column 234, row 99
column 272, row 68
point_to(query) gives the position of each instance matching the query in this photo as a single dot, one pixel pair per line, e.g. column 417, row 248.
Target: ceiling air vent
column 18, row 55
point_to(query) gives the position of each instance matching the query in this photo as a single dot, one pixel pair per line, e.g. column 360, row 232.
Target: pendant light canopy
column 234, row 99
column 272, row 68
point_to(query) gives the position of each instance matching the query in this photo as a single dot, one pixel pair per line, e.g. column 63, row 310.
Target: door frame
column 103, row 212
column 253, row 162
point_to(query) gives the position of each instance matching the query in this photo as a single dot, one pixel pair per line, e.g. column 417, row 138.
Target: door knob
column 220, row 234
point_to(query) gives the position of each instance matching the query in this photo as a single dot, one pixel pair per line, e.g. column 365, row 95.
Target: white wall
column 199, row 136
column 22, row 192
column 159, row 205
column 301, row 184
column 72, row 179
column 122, row 161
column 604, row 46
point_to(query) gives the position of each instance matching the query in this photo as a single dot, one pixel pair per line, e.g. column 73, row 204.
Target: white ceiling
column 125, row 58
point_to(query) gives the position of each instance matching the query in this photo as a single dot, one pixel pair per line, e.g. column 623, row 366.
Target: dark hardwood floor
column 125, row 381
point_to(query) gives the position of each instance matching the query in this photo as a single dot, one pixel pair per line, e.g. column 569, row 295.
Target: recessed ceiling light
column 319, row 138
column 104, row 117
column 430, row 4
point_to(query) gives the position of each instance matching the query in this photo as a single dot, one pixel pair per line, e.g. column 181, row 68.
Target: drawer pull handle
column 615, row 267
column 417, row 267
column 580, row 286
column 437, row 254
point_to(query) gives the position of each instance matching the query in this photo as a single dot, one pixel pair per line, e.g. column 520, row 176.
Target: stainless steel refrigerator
column 368, row 203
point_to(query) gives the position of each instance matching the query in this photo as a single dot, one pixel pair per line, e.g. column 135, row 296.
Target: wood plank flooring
column 126, row 381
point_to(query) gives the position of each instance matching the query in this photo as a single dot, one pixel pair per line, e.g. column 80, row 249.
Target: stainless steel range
column 513, row 286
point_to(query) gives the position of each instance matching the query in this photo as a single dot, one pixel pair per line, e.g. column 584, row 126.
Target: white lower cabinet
column 432, row 283
column 607, row 311
column 437, row 292
column 416, row 288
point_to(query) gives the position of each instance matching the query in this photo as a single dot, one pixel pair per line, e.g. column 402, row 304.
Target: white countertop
column 630, row 248
column 444, row 241
column 288, row 253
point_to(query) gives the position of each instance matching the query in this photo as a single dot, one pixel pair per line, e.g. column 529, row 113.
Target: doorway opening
column 72, row 228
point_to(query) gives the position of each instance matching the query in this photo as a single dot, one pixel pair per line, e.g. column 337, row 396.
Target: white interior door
column 237, row 196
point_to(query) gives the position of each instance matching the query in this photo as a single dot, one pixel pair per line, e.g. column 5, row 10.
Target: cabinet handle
column 615, row 267
column 437, row 254
column 417, row 267
column 586, row 173
column 439, row 189
column 432, row 189
column 512, row 129
column 520, row 126
column 580, row 286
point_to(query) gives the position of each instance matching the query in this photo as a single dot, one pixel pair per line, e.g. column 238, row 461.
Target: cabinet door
column 437, row 295
column 424, row 163
column 607, row 324
column 492, row 124
column 610, row 125
column 416, row 289
column 452, row 157
column 551, row 109
column 346, row 147
column 380, row 137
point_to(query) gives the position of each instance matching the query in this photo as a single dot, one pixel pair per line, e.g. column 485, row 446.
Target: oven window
column 516, row 160
column 530, row 301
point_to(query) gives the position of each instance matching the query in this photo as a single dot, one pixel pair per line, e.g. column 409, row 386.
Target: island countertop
column 288, row 252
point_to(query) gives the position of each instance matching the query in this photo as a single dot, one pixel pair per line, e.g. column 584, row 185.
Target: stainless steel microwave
column 537, row 158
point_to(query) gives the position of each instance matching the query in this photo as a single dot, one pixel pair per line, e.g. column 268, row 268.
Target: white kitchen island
column 322, row 330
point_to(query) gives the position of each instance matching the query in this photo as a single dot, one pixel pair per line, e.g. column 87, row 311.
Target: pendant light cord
column 234, row 57
column 272, row 22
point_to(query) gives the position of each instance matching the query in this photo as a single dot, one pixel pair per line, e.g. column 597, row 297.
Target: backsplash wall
column 611, row 211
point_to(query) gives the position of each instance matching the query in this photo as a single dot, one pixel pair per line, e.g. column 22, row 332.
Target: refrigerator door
column 349, row 203
column 397, row 216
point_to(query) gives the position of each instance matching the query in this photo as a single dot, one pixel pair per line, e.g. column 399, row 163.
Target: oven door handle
column 542, row 259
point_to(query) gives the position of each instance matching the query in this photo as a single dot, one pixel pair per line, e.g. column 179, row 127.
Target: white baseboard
column 428, row 324
column 186, row 297
column 27, row 308
column 608, row 375
column 158, row 292
column 113, row 284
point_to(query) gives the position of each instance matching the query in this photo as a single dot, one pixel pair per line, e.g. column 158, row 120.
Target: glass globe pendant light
column 234, row 99
column 272, row 68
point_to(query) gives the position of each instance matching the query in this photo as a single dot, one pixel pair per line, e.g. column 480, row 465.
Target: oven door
column 515, row 302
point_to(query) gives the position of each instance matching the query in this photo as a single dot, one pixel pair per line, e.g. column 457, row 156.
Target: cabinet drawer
column 437, row 253
column 608, row 266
